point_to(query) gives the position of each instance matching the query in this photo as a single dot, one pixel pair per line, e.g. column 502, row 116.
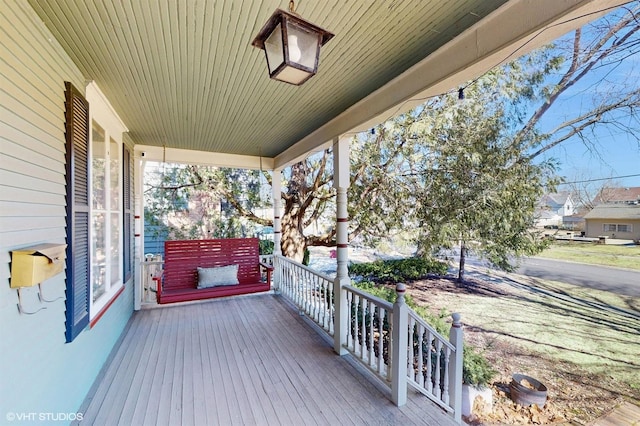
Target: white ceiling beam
column 203, row 158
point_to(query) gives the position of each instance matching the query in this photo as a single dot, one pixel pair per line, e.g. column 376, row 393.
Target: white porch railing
column 390, row 339
column 369, row 330
column 266, row 259
column 431, row 367
column 309, row 290
column 151, row 277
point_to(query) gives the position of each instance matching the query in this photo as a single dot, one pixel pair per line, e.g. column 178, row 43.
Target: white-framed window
column 106, row 216
column 617, row 227
column 624, row 228
column 106, row 193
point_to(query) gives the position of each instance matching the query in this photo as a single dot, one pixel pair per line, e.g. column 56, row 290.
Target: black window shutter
column 128, row 214
column 77, row 180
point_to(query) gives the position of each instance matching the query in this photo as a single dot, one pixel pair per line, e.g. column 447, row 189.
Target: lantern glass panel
column 303, row 46
column 273, row 48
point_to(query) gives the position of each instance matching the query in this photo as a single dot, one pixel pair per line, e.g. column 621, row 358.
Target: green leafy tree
column 472, row 187
column 187, row 202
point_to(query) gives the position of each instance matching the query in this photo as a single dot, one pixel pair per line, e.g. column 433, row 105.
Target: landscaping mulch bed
column 575, row 396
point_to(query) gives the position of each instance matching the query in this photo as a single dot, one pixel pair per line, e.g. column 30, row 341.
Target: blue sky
column 612, row 152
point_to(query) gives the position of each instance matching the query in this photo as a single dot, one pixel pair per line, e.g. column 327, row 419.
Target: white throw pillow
column 212, row 277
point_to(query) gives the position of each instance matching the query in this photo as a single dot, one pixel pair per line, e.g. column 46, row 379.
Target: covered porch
column 240, row 360
column 94, row 89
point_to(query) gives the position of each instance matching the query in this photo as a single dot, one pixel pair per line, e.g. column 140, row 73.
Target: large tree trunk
column 293, row 240
column 463, row 255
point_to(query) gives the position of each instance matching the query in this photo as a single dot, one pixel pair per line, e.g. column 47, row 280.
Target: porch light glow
column 292, row 46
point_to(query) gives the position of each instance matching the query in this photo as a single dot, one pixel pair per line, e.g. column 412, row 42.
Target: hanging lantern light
column 292, row 46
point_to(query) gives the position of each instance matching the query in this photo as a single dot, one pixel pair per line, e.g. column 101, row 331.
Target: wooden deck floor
column 238, row 361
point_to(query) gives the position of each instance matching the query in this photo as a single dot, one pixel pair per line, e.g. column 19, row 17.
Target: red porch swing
column 203, row 269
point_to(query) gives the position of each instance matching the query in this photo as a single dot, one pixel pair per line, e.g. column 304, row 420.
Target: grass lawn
column 596, row 254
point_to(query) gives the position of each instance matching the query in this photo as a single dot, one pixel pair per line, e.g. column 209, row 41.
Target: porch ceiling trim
column 512, row 30
column 205, row 158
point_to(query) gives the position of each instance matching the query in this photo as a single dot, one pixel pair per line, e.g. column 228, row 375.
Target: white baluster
column 430, row 363
column 322, row 300
column 371, row 339
column 349, row 322
column 363, row 328
column 390, row 338
column 410, row 353
column 356, row 328
column 437, row 391
column 329, row 305
column 420, row 355
column 445, row 391
column 317, row 294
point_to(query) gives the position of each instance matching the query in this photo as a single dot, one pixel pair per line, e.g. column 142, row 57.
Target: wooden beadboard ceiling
column 183, row 72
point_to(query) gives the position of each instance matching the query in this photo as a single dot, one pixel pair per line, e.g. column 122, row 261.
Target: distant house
column 614, row 221
column 553, row 208
column 629, row 195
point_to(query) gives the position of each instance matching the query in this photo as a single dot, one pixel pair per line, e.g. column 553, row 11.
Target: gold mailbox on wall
column 33, row 265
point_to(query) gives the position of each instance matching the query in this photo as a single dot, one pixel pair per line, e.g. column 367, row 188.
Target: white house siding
column 39, row 372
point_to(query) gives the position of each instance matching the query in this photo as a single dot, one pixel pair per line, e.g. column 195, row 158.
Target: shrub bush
column 476, row 370
column 398, row 270
column 265, row 247
column 388, row 293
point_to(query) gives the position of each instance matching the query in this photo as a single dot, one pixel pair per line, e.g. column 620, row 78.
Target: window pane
column 623, row 228
column 273, row 49
column 98, row 167
column 302, row 46
column 115, row 248
column 114, row 175
column 98, row 269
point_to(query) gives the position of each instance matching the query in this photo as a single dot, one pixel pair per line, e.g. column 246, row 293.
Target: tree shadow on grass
column 549, row 345
column 559, row 302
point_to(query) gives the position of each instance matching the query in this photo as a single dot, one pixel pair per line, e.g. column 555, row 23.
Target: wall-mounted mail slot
column 32, row 265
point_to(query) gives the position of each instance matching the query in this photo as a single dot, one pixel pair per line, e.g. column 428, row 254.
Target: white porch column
column 276, row 188
column 341, row 181
column 138, row 229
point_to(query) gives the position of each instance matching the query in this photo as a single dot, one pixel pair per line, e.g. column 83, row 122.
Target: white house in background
column 553, row 208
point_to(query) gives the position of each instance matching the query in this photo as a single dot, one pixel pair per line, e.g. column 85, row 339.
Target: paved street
column 620, row 281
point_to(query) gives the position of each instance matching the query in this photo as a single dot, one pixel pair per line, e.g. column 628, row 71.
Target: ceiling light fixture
column 292, row 46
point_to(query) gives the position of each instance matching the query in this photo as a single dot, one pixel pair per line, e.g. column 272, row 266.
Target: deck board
column 248, row 360
column 158, row 341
